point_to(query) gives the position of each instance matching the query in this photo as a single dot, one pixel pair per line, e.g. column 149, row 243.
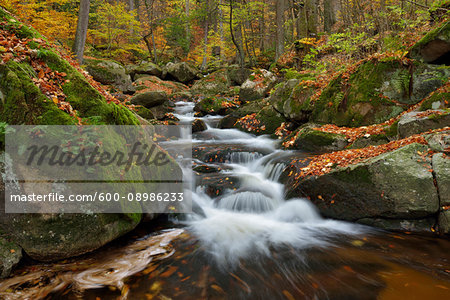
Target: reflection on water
column 174, row 265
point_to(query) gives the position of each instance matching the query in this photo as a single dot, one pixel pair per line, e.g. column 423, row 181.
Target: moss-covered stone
column 215, row 105
column 308, row 139
column 144, row 112
column 433, row 46
column 394, row 185
column 414, row 123
column 111, row 73
column 257, row 85
column 216, row 83
column 10, row 255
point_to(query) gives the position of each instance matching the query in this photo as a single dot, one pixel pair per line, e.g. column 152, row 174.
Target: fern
column 400, row 81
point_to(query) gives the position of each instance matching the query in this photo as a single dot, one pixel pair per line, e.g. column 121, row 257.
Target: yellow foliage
column 47, row 17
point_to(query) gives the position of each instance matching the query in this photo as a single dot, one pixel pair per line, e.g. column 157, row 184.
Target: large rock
column 264, row 121
column 441, row 169
column 394, row 185
column 182, row 72
column 150, row 99
column 418, row 122
column 144, row 68
column 444, row 222
column 214, row 84
column 10, row 255
column 215, row 106
column 111, row 73
column 439, row 141
column 308, row 139
column 237, row 74
column 54, row 236
column 198, row 125
column 292, row 100
column 50, row 237
column 257, row 85
column 434, row 47
column 375, row 92
column 153, row 83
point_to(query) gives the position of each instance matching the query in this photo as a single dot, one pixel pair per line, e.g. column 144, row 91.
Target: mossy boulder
column 10, row 255
column 438, row 100
column 434, row 47
column 54, row 236
column 153, row 83
column 237, row 74
column 198, row 125
column 214, row 106
column 376, row 92
column 441, row 169
column 144, row 113
column 110, row 73
column 265, row 121
column 394, row 185
column 292, row 100
column 444, row 221
column 150, row 99
column 182, row 72
column 257, row 86
column 308, row 139
column 439, row 141
column 143, row 69
column 418, row 122
column 216, row 83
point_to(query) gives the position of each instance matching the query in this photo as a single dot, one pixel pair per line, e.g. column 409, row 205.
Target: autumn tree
column 82, row 27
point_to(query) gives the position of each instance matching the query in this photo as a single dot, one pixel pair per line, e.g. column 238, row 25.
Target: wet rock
column 182, row 72
column 238, row 75
column 420, row 226
column 308, row 139
column 217, row 184
column 396, row 185
column 182, row 96
column 198, row 125
column 417, row 122
column 10, row 255
column 444, row 222
column 206, row 169
column 110, row 73
column 441, row 170
column 150, row 99
column 257, row 85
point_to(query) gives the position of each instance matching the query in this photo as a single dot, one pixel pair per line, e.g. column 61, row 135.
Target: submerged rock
column 198, row 125
column 110, row 73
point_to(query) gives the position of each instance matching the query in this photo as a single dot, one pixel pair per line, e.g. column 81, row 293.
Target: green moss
column 319, row 138
column 442, row 32
column 20, row 30
column 392, row 130
column 441, row 100
column 354, row 174
column 144, row 112
column 358, row 101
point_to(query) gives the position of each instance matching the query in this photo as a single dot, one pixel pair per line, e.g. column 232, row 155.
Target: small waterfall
column 254, row 216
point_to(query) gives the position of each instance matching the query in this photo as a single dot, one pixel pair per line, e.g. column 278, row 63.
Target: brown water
column 173, row 265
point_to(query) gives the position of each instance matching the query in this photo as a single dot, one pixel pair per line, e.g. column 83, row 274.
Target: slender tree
column 82, row 26
column 279, row 47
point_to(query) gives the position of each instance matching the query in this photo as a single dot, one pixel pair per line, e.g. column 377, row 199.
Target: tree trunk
column 236, row 37
column 188, row 25
column 328, row 15
column 279, row 47
column 82, row 26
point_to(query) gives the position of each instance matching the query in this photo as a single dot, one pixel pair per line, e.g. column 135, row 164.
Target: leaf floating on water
column 169, row 272
column 288, row 295
column 217, row 288
column 357, row 243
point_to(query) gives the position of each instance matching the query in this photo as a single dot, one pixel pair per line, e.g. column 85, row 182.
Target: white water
column 254, row 218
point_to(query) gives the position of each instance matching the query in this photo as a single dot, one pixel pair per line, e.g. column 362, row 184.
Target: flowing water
column 245, row 241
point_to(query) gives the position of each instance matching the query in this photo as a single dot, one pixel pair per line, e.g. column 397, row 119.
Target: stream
column 244, row 240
